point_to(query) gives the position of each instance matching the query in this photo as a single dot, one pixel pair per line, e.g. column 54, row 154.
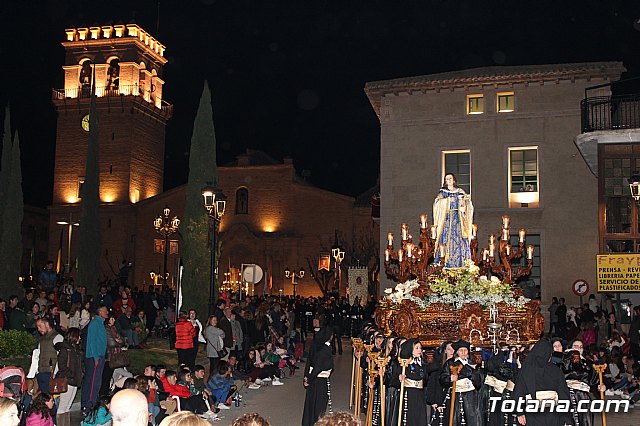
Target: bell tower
column 124, row 63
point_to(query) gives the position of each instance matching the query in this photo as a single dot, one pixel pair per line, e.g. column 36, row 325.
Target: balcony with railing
column 112, row 92
column 610, row 113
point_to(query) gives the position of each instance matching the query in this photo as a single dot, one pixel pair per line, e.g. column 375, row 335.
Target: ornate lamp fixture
column 634, row 186
column 166, row 226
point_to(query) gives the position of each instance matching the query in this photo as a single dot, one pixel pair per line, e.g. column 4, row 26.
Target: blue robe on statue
column 457, row 249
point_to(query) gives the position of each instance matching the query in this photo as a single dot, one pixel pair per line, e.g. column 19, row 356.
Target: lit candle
column 529, row 252
column 505, row 222
column 505, row 234
column 492, row 248
column 522, row 233
column 390, row 239
column 485, row 254
column 508, row 249
column 409, row 250
column 434, row 233
column 386, row 255
column 423, row 221
column 441, row 247
column 474, row 230
column 492, row 239
column 400, row 254
column 405, row 231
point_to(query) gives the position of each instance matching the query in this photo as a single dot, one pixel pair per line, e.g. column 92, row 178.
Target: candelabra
column 500, row 262
column 417, row 261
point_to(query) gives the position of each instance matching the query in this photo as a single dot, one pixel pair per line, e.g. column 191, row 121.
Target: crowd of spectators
column 604, row 339
column 87, row 337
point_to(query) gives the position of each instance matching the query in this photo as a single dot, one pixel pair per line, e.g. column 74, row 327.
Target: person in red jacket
column 188, row 402
column 185, row 332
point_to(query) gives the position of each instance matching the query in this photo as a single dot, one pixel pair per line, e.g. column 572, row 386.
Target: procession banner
column 358, row 284
column 618, row 272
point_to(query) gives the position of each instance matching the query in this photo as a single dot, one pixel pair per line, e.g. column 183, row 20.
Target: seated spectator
column 184, row 418
column 188, row 402
column 85, row 314
column 125, row 328
column 139, row 324
column 99, row 414
column 148, row 387
column 221, row 385
column 338, row 419
column 251, row 419
column 53, row 314
column 40, row 411
column 129, row 408
column 123, row 303
column 8, row 412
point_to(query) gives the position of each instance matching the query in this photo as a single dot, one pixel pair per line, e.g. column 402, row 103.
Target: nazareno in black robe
column 318, row 392
column 539, row 374
column 414, row 405
column 499, row 367
column 582, row 371
column 467, row 409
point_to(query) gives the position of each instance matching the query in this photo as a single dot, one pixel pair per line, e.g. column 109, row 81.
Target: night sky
column 287, row 77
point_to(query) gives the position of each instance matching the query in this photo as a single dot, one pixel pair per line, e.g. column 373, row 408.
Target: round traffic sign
column 580, row 287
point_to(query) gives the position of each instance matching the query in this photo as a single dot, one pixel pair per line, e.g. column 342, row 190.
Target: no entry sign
column 580, row 287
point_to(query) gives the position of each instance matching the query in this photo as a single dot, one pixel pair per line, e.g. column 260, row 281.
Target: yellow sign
column 618, row 272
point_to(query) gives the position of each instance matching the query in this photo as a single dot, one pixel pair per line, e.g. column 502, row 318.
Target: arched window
column 242, row 201
column 113, row 74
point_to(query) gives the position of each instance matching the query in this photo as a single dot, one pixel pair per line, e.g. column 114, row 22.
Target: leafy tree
column 196, row 230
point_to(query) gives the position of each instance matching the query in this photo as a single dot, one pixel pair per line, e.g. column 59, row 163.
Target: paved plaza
column 282, row 405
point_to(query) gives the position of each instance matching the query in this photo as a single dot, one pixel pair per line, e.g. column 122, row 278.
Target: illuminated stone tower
column 125, row 64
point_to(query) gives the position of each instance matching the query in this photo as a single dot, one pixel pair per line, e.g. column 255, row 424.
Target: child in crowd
column 99, row 414
column 39, row 412
column 188, row 402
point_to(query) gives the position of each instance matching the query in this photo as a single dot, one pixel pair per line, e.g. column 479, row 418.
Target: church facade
column 273, row 218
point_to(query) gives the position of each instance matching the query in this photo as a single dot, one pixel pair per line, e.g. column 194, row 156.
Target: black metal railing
column 610, row 113
column 123, row 90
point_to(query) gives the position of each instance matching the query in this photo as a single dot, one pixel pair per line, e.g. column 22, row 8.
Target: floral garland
column 457, row 287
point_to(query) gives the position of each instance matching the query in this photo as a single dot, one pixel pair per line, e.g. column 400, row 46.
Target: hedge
column 16, row 343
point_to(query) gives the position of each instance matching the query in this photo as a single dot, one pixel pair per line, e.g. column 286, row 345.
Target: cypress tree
column 5, row 164
column 89, row 230
column 195, row 226
column 11, row 237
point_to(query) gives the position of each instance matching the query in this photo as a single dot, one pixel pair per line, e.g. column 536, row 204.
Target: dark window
column 242, row 201
column 459, row 163
column 532, row 283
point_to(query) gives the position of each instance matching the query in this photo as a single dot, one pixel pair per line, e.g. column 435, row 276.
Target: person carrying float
column 466, row 410
column 412, row 404
column 540, row 379
column 502, row 369
column 581, row 378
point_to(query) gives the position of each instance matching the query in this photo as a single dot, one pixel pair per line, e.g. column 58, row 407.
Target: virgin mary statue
column 453, row 219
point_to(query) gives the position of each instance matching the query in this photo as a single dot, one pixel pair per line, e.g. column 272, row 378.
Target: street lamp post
column 70, row 224
column 288, row 273
column 215, row 203
column 338, row 255
column 165, row 226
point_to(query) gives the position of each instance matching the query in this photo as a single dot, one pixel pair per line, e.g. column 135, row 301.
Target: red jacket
column 185, row 332
column 175, row 390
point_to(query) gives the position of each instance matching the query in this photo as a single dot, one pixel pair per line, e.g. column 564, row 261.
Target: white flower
column 495, row 279
column 388, row 290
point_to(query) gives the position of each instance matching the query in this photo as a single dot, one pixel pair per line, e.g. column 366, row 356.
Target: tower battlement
column 105, row 32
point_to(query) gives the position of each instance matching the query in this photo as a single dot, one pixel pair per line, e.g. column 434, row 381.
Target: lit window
column 523, row 177
column 506, row 102
column 80, row 187
column 459, row 163
column 475, row 104
column 242, row 201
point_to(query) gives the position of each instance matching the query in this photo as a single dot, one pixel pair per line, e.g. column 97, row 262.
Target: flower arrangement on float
column 457, row 287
